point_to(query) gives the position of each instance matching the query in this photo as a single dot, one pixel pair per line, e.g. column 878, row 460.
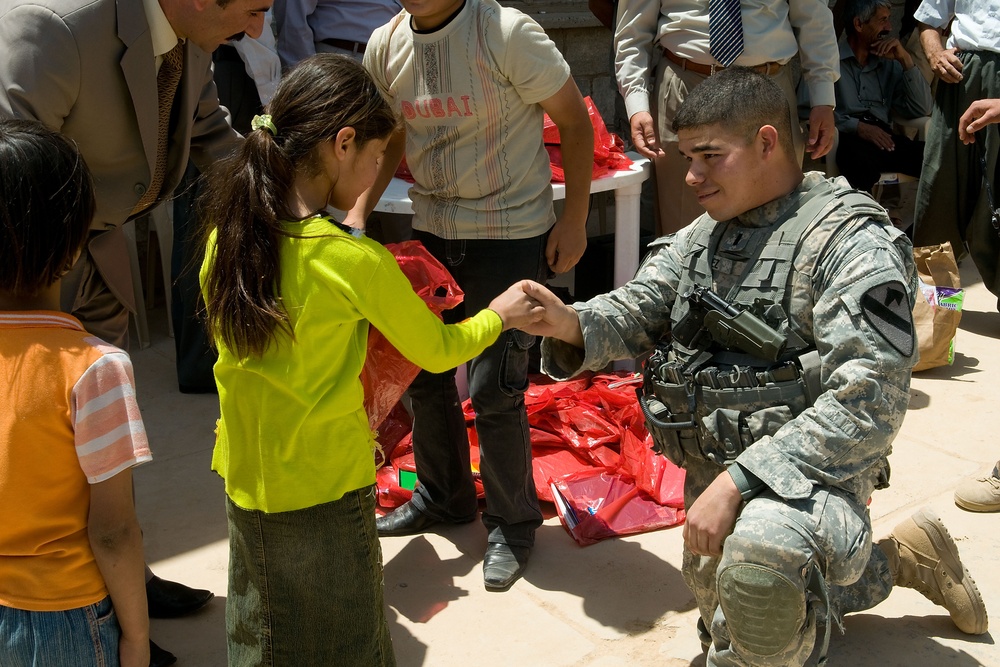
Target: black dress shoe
column 169, row 599
column 404, row 520
column 503, row 565
column 159, row 657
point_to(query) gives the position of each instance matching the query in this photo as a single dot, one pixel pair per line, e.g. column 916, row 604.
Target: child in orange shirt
column 72, row 589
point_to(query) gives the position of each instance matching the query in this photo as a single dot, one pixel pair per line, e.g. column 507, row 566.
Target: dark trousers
column 195, row 357
column 497, row 380
column 861, row 162
column 952, row 204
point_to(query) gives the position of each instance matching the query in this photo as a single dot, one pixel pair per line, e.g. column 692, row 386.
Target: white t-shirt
column 468, row 94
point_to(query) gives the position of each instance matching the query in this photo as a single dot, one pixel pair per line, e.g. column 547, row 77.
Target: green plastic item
column 407, row 479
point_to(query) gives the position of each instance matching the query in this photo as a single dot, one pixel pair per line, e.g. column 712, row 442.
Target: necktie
column 725, row 30
column 166, row 87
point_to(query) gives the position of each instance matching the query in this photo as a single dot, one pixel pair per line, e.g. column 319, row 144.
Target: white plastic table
column 626, row 185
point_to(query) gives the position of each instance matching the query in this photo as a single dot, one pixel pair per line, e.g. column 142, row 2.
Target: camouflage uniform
column 806, row 531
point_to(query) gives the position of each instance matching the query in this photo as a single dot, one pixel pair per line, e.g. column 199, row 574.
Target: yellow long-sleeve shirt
column 293, row 431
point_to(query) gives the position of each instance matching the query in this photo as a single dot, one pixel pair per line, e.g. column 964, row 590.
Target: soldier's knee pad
column 764, row 609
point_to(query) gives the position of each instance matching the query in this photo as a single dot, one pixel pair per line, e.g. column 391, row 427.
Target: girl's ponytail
column 246, row 200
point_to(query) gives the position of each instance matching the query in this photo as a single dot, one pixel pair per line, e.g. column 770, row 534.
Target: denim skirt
column 305, row 587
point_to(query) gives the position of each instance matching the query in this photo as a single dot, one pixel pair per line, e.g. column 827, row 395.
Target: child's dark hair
column 741, row 100
column 46, row 206
column 246, row 198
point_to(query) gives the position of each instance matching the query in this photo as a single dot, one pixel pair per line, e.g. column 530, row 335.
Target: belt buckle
column 711, row 69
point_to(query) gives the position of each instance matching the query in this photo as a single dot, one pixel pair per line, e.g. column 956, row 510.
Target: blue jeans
column 83, row 637
column 305, row 587
column 497, row 380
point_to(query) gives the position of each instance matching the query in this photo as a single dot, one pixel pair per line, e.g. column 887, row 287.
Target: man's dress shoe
column 159, row 657
column 503, row 565
column 404, row 520
column 169, row 599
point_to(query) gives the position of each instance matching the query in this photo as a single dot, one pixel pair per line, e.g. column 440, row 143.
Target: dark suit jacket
column 86, row 69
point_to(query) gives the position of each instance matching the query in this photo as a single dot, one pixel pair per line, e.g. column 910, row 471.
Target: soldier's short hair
column 740, row 99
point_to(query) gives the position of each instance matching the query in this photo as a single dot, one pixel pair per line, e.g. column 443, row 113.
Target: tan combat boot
column 980, row 494
column 923, row 556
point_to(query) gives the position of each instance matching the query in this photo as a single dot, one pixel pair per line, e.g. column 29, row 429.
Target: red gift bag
column 387, row 373
column 609, row 149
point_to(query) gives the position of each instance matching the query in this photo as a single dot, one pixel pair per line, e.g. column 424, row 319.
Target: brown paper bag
column 938, row 307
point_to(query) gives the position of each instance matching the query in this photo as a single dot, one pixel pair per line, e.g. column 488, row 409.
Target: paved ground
column 620, row 602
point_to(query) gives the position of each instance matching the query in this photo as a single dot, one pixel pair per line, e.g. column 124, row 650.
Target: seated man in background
column 783, row 430
column 877, row 79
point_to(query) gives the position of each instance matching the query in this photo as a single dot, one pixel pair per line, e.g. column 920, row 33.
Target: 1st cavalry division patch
column 887, row 308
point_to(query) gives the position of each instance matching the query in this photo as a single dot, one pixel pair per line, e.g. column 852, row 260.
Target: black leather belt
column 345, row 44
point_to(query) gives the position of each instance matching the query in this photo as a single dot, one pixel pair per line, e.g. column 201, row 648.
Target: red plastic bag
column 391, row 431
column 387, row 373
column 591, row 456
column 609, row 149
column 594, row 505
column 652, row 474
column 403, row 171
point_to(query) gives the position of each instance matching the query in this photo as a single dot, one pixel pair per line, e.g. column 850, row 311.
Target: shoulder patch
column 887, row 308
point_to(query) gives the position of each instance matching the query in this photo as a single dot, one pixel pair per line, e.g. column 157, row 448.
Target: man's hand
column 893, row 49
column 644, row 135
column 979, row 114
column 876, row 135
column 821, row 129
column 567, row 241
column 946, row 65
column 712, row 516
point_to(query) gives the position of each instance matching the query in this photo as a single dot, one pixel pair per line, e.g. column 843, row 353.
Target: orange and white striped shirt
column 68, row 419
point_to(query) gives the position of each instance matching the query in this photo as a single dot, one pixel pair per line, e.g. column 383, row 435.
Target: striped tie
column 167, row 80
column 725, row 30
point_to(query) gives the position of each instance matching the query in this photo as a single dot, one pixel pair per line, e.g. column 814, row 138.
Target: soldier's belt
column 729, row 378
column 706, row 418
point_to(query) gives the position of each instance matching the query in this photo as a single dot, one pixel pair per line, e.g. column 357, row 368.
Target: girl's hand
column 516, row 308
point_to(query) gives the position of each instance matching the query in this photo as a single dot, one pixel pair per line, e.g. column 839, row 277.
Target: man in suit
column 90, row 69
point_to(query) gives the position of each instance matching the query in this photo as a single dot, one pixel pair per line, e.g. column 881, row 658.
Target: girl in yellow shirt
column 289, row 297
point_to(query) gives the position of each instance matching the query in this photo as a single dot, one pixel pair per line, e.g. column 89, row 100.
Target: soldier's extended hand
column 711, row 517
column 516, row 308
column 558, row 321
column 979, row 114
column 876, row 135
column 644, row 135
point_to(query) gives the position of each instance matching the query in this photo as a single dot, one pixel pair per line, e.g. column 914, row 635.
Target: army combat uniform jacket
column 835, row 300
column 825, row 268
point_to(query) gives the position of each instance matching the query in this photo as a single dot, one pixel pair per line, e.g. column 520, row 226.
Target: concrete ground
column 619, row 602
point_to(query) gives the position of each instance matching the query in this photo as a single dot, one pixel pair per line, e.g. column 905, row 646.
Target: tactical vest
column 712, row 403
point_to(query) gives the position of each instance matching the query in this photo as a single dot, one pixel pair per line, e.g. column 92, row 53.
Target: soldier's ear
column 767, row 140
